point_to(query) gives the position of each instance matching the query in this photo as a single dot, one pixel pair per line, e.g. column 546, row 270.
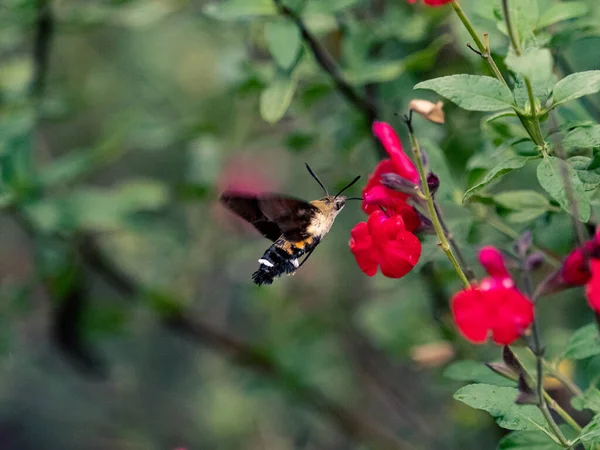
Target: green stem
column 483, row 49
column 561, row 412
column 538, row 351
column 439, row 229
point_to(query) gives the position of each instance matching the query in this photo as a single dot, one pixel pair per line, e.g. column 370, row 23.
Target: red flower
column 432, row 2
column 375, row 194
column 495, row 307
column 391, row 142
column 384, row 242
column 592, row 290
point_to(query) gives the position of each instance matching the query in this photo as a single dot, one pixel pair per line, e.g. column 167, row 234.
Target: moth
column 295, row 226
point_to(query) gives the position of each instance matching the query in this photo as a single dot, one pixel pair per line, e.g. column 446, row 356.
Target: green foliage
column 583, row 137
column 575, row 86
column 276, row 98
column 476, row 372
column 583, row 343
column 527, row 440
column 492, row 176
column 550, row 175
column 471, row 92
column 589, row 400
column 524, row 205
column 284, row 42
column 534, row 63
column 500, row 403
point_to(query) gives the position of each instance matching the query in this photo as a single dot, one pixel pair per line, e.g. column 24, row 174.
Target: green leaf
column 284, row 41
column 550, row 174
column 240, row 9
column 590, row 178
column 276, row 98
column 329, row 7
column 475, row 371
column 590, row 435
column 500, row 403
column 527, row 440
column 562, row 11
column 576, row 85
column 583, row 137
column 528, row 204
column 512, row 163
column 534, row 63
column 524, row 16
column 471, row 92
column 585, row 342
column 589, row 400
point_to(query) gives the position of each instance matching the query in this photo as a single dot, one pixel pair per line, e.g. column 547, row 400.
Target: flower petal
column 471, row 315
column 592, row 290
column 391, row 142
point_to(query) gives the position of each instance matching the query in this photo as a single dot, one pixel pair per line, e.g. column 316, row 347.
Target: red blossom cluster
column 387, row 240
column 582, row 267
column 494, row 307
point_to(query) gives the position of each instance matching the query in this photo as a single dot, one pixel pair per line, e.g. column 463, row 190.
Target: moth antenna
column 347, row 186
column 312, row 174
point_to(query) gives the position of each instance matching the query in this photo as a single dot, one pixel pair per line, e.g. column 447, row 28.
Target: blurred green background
column 127, row 316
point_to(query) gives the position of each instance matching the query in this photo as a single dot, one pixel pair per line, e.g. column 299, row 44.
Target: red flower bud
column 391, row 142
column 432, row 2
column 492, row 260
column 384, row 242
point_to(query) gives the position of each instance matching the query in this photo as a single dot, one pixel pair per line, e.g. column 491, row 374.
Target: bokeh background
column 127, row 316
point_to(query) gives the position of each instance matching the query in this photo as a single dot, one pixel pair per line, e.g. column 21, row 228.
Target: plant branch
column 538, row 351
column 328, row 64
column 484, row 50
column 44, row 30
column 459, row 256
column 245, row 355
column 439, row 229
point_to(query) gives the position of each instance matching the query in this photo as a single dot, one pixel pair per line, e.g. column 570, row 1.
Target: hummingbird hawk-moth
column 295, row 226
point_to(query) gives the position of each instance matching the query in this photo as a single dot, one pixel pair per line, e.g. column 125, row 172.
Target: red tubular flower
column 432, row 2
column 391, row 142
column 495, row 307
column 384, row 242
column 592, row 290
column 375, row 194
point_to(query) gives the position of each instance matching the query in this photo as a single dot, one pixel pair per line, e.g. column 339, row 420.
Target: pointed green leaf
column 576, row 85
column 471, row 92
column 590, row 435
column 590, row 178
column 527, row 440
column 276, row 98
column 284, row 41
column 585, row 342
column 240, row 9
column 512, row 163
column 534, row 63
column 475, row 371
column 589, row 400
column 583, row 137
column 500, row 403
column 551, row 173
column 562, row 11
column 527, row 205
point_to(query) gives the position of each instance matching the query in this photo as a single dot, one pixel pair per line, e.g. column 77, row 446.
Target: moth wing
column 247, row 207
column 291, row 215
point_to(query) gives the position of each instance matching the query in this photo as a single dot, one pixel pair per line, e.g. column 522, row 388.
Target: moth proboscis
column 295, row 226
